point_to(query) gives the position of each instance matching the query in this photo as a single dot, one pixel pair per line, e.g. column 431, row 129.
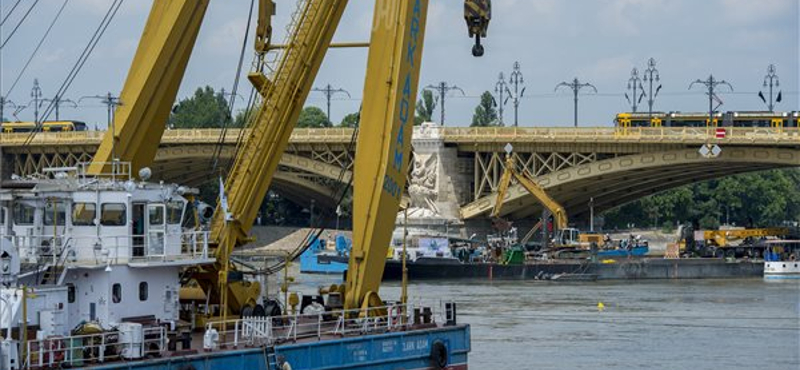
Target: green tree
column 485, row 113
column 425, row 107
column 312, row 117
column 205, row 109
column 350, row 120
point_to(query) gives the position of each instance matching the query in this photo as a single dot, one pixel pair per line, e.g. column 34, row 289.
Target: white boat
column 781, row 260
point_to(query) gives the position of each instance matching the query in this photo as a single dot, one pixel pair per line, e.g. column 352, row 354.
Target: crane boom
column 152, row 84
column 559, row 214
column 384, row 141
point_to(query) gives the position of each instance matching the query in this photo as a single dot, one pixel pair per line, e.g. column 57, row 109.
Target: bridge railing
column 744, row 135
column 631, row 134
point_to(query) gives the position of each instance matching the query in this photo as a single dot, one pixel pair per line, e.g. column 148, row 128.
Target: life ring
column 438, row 355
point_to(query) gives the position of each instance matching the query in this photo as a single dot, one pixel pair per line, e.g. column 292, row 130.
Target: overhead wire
column 21, row 20
column 36, row 50
column 9, row 12
column 76, row 68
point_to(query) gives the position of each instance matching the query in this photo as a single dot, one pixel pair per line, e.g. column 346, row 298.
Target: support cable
column 87, row 51
column 36, row 50
column 24, row 16
column 225, row 124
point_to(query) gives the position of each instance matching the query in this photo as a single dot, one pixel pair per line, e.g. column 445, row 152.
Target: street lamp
column 576, row 87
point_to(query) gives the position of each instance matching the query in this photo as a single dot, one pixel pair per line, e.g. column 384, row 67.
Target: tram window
column 23, row 214
column 174, row 212
column 83, row 214
column 55, row 213
column 116, row 293
column 143, row 291
column 113, row 214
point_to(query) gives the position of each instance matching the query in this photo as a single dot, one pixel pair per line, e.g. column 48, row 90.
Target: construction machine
column 565, row 236
column 382, row 150
column 740, row 242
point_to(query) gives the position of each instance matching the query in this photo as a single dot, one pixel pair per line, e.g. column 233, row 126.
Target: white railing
column 258, row 331
column 78, row 350
column 71, row 250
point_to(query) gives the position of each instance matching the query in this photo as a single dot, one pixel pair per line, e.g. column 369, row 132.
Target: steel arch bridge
column 608, row 165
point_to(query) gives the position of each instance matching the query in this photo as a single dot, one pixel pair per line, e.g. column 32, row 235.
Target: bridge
column 458, row 169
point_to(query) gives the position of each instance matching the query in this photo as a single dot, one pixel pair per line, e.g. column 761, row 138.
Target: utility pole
column 500, row 88
column 111, row 102
column 771, row 80
column 576, row 87
column 635, row 84
column 57, row 101
column 36, row 95
column 329, row 92
column 516, row 79
column 443, row 88
column 650, row 76
column 711, row 85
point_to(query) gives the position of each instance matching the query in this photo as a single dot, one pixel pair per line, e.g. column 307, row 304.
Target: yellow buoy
column 600, row 306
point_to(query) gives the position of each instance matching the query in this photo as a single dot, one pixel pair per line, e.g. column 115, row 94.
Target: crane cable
column 225, row 124
column 307, row 241
column 21, row 20
column 36, row 50
column 87, row 51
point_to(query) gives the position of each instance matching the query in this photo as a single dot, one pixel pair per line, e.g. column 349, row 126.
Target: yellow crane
column 565, row 236
column 383, row 144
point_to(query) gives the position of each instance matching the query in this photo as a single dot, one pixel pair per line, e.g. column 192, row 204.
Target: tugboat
column 91, row 271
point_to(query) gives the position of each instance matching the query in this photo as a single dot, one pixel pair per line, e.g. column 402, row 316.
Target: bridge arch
column 616, row 181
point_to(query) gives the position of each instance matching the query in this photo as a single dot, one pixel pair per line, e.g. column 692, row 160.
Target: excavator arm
column 558, row 211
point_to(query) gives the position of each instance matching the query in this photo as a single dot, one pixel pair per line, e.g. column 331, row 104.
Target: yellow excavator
column 384, row 139
column 565, row 236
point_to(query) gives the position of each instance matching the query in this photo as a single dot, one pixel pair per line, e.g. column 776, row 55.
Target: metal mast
column 711, row 85
column 443, row 88
column 329, row 92
column 576, row 87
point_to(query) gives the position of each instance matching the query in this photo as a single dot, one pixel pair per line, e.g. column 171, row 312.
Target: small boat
column 780, row 260
column 314, row 261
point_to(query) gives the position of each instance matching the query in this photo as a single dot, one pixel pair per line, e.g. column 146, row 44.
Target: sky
column 597, row 41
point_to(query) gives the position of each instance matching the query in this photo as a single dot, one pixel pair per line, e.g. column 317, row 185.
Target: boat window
column 116, row 293
column 55, row 213
column 70, row 293
column 23, row 214
column 112, row 214
column 156, row 215
column 83, row 214
column 174, row 212
column 143, row 291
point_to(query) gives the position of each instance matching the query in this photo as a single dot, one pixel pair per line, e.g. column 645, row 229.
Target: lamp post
column 635, row 84
column 771, row 81
column 711, row 84
column 516, row 79
column 651, row 75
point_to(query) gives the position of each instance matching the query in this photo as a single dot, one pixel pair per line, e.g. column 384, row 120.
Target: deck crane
column 565, row 236
column 384, row 139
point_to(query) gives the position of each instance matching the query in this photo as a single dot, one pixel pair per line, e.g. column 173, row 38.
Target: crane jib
column 390, row 184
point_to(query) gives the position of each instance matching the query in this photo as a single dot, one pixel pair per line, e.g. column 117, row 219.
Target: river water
column 688, row 324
